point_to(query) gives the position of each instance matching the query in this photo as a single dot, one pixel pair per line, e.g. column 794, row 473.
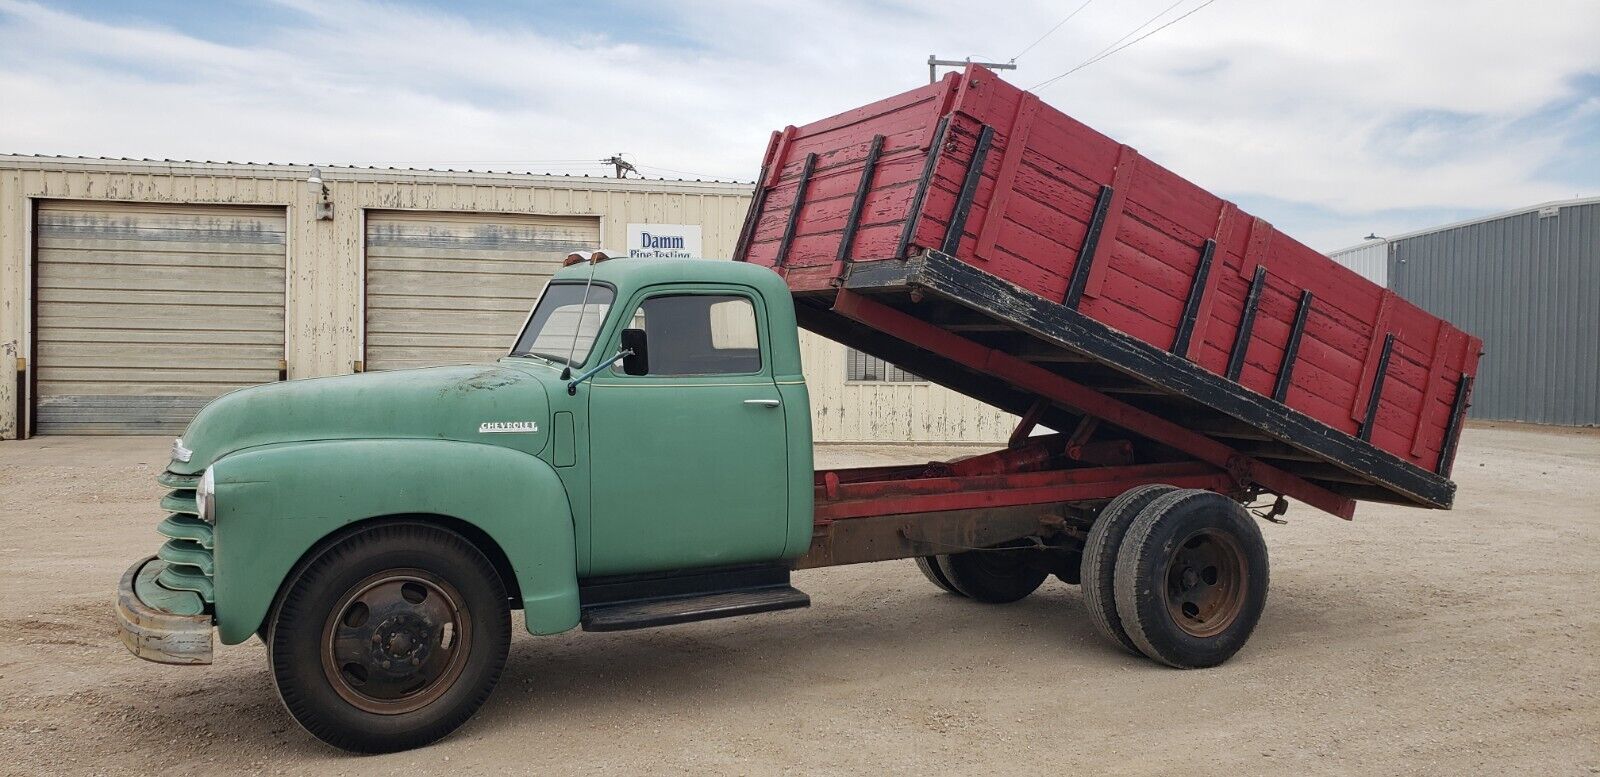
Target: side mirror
column 637, row 362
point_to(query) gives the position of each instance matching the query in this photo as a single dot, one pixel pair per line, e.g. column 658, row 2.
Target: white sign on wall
column 671, row 241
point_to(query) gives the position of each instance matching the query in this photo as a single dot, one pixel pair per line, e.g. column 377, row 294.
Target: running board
column 641, row 602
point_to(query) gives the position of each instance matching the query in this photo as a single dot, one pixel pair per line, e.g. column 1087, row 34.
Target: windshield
column 563, row 325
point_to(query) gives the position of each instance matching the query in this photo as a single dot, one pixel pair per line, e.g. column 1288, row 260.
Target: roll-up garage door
column 146, row 312
column 449, row 288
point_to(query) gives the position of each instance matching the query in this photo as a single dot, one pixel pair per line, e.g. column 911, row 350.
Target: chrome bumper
column 155, row 634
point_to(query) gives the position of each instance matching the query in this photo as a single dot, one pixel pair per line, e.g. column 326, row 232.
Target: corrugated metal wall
column 1370, row 260
column 1529, row 285
column 325, row 317
column 855, row 411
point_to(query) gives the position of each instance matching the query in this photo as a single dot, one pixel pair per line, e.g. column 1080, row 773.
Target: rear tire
column 995, row 576
column 390, row 639
column 1191, row 579
column 1098, row 572
column 930, row 569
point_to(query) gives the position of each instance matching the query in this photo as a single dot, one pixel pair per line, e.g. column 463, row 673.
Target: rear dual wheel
column 1098, row 571
column 1178, row 575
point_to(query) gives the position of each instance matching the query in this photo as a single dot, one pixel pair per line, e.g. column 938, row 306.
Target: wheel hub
column 402, row 639
column 393, row 643
column 1205, row 582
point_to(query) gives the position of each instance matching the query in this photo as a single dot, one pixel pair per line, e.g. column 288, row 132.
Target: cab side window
column 700, row 334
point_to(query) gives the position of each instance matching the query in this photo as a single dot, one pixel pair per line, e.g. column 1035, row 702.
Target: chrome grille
column 188, row 551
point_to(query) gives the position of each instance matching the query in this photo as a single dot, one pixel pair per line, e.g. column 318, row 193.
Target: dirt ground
column 1408, row 641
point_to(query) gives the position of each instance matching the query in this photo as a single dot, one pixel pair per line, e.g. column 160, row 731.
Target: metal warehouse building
column 1527, row 282
column 132, row 292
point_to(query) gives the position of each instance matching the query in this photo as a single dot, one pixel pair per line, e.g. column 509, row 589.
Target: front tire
column 1191, row 579
column 390, row 639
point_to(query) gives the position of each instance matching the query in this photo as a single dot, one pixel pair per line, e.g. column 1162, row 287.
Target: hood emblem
column 508, row 427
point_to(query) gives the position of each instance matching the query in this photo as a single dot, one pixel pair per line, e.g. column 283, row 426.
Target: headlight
column 205, row 496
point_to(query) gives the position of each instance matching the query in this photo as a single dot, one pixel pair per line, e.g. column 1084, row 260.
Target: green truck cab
column 375, row 530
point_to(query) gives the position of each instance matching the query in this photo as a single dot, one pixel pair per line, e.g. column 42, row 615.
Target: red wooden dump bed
column 971, row 206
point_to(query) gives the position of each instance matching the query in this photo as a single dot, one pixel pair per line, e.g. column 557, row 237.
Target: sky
column 1332, row 120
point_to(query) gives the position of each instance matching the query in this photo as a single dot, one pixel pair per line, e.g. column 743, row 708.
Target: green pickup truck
column 642, row 457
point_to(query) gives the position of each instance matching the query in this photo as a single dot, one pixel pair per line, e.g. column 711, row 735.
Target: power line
column 1052, row 30
column 1104, row 54
column 1135, row 31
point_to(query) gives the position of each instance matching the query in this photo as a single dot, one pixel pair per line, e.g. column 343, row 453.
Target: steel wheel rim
column 1205, row 582
column 396, row 641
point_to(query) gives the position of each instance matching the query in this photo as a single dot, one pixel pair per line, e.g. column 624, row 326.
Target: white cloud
column 1358, row 109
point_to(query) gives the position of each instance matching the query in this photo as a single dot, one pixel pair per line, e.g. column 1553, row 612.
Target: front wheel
column 390, row 639
column 1191, row 579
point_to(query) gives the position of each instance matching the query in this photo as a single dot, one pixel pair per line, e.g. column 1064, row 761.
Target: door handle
column 763, row 402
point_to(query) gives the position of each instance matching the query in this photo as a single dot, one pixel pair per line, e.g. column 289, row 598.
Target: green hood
column 496, row 404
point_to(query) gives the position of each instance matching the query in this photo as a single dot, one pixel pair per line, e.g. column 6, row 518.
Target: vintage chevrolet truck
column 642, row 455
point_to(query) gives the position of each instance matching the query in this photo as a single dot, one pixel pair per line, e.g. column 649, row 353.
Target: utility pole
column 934, row 62
column 623, row 166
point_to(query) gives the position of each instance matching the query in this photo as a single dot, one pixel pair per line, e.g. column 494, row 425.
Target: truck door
column 689, row 461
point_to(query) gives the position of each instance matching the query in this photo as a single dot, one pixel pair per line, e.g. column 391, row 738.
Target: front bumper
column 155, row 634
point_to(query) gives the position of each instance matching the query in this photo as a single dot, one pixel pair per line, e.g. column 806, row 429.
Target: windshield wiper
column 549, row 357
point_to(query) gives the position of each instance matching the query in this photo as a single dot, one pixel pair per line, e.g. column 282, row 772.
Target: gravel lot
column 1408, row 641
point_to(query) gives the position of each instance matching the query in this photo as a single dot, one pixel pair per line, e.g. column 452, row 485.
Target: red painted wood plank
column 1169, row 197
column 902, row 133
column 1043, row 176
column 780, row 157
column 938, row 108
column 1380, row 327
column 932, row 97
column 987, row 98
column 1040, row 234
column 1222, row 235
column 1121, row 182
column 1255, row 251
column 1016, row 145
column 1074, row 145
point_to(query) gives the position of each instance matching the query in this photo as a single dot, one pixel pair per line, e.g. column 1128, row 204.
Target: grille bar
column 179, row 526
column 181, row 501
column 188, row 551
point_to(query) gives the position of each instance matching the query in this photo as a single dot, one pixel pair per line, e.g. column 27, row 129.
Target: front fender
column 274, row 503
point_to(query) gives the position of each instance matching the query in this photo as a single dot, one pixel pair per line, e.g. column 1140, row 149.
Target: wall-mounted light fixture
column 1388, row 245
column 319, row 190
